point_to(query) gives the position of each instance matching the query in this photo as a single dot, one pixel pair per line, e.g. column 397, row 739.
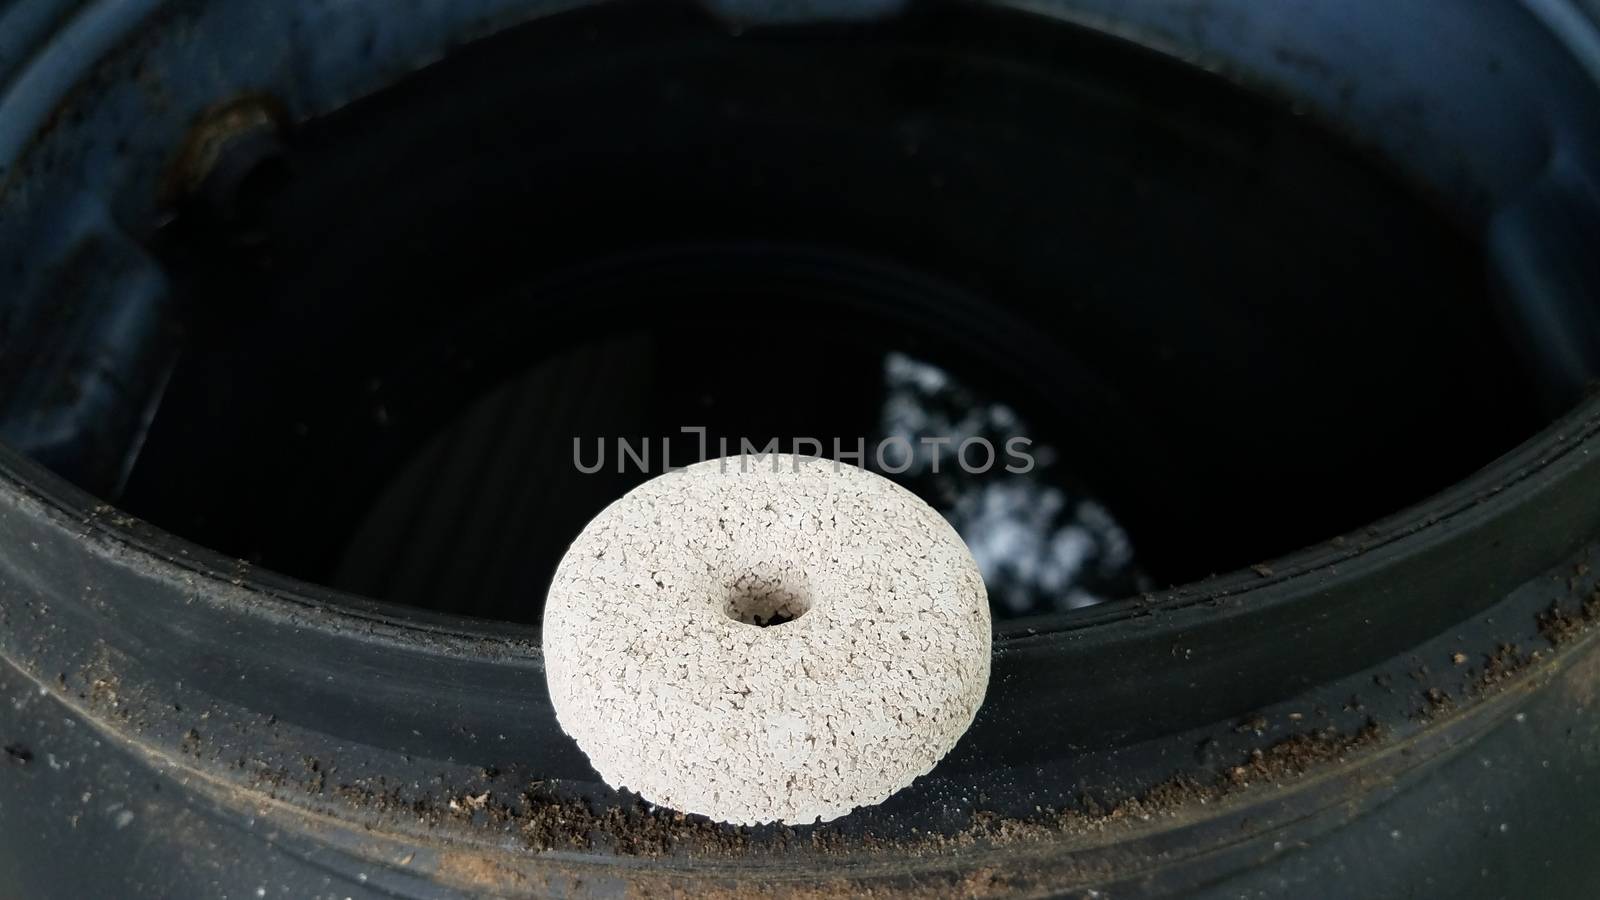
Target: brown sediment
column 533, row 815
column 546, row 822
column 540, row 819
column 1560, row 626
column 1501, row 666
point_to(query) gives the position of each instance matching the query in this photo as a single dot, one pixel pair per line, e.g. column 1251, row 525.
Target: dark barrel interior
column 1226, row 333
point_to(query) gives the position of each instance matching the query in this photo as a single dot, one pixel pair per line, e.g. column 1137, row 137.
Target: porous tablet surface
column 657, row 671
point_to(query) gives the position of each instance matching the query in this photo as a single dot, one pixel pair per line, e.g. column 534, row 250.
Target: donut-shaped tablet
column 767, row 639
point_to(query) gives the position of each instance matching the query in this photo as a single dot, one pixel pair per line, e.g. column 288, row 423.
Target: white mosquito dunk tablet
column 767, row 646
